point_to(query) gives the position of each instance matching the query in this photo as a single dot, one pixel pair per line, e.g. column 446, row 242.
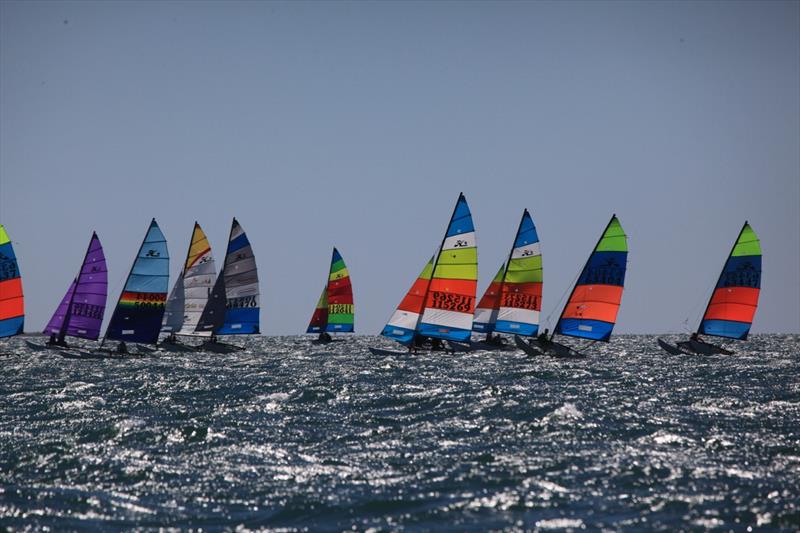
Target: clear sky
column 357, row 124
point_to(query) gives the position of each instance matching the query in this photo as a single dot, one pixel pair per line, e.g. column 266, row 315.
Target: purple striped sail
column 80, row 313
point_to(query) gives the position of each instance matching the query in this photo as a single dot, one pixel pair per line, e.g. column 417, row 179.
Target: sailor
column 122, row 348
column 53, row 340
column 324, row 336
column 542, row 338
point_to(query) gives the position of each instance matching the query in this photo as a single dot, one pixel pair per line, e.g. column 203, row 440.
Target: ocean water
column 290, row 436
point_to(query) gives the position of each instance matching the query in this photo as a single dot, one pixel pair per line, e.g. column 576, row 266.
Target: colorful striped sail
column 734, row 302
column 80, row 313
column 591, row 310
column 489, row 304
column 402, row 325
column 140, row 309
column 319, row 320
column 340, row 296
column 191, row 291
column 450, row 302
column 521, row 290
column 241, row 286
column 12, row 304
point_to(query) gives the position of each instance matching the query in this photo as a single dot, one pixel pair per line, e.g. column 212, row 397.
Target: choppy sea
column 292, row 436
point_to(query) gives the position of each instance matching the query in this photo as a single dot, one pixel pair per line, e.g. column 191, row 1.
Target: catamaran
column 334, row 311
column 591, row 310
column 140, row 307
column 12, row 304
column 233, row 305
column 440, row 305
column 80, row 313
column 513, row 300
column 732, row 306
column 190, row 294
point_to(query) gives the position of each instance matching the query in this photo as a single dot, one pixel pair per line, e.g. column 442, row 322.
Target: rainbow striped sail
column 489, row 304
column 450, row 302
column 240, row 279
column 80, row 313
column 521, row 290
column 140, row 308
column 591, row 311
column 334, row 310
column 12, row 304
column 190, row 293
column 734, row 302
column 402, row 325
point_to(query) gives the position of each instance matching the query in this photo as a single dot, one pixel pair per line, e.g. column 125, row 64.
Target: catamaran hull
column 526, row 347
column 219, row 347
column 669, row 348
column 702, row 348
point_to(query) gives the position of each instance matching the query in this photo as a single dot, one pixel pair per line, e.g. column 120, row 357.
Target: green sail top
column 747, row 244
column 613, row 240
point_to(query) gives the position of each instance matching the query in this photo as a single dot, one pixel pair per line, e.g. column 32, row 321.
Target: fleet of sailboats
column 438, row 312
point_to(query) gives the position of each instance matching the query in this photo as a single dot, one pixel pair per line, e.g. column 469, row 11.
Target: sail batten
column 591, row 310
column 12, row 301
column 80, row 313
column 734, row 301
column 140, row 309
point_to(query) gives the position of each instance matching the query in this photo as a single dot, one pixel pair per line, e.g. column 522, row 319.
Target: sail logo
column 460, row 244
column 744, row 276
column 526, row 253
column 451, row 302
column 8, row 270
column 152, row 253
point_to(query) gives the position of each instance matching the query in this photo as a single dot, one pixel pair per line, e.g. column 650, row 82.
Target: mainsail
column 191, row 291
column 334, row 311
column 521, row 290
column 140, row 309
column 591, row 310
column 240, row 282
column 402, row 325
column 734, row 302
column 80, row 313
column 12, row 305
column 450, row 302
column 486, row 310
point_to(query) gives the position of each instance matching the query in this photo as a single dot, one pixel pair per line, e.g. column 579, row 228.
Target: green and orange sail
column 335, row 310
column 733, row 304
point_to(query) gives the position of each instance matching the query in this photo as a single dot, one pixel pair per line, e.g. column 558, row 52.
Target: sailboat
column 80, row 313
column 334, row 311
column 140, row 307
column 513, row 300
column 440, row 305
column 233, row 305
column 12, row 304
column 190, row 294
column 732, row 306
column 591, row 310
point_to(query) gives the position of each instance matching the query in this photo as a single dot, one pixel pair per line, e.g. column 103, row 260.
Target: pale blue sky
column 357, row 124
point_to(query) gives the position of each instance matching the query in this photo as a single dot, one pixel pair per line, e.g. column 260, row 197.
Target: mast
column 735, row 242
column 575, row 286
column 68, row 315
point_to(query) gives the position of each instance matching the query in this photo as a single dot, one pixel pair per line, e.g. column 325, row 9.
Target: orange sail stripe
column 414, row 300
column 592, row 311
column 455, row 286
column 532, row 288
column 730, row 311
column 735, row 295
column 11, row 288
